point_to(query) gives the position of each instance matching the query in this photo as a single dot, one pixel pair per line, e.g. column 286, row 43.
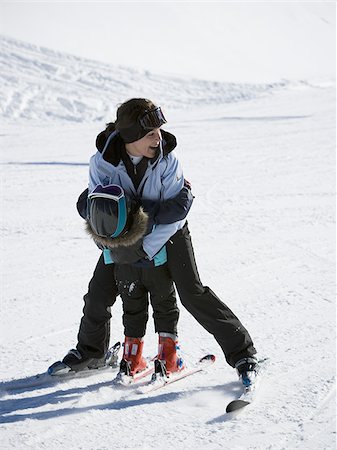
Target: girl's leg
column 135, row 300
column 159, row 283
column 166, row 314
column 135, row 316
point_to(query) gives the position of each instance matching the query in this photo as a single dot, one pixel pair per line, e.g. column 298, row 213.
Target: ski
column 244, row 400
column 158, row 381
column 249, row 392
column 59, row 372
column 123, row 379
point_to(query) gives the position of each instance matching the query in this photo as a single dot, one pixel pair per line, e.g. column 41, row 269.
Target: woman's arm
column 169, row 211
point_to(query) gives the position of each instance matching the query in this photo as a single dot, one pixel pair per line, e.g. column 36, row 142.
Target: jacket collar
column 111, row 145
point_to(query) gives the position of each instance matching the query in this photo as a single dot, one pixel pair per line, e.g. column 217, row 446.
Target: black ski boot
column 74, row 361
column 77, row 362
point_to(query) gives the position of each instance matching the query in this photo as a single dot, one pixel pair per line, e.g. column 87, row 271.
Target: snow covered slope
column 262, row 222
column 38, row 83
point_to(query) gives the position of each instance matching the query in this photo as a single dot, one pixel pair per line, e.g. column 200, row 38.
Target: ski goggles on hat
column 105, row 218
column 146, row 122
column 152, row 119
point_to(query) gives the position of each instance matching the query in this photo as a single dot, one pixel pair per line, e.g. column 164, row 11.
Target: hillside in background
column 39, row 83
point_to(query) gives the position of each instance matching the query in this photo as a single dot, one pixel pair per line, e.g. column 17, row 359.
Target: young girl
column 118, row 225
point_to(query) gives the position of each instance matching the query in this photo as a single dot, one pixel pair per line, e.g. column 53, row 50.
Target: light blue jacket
column 162, row 181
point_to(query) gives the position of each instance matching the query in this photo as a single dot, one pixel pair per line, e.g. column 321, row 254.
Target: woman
column 137, row 154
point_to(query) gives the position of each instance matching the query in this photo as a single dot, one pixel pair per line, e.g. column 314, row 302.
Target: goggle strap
column 122, row 216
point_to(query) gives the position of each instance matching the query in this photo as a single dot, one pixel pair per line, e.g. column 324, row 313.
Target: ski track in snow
column 260, row 159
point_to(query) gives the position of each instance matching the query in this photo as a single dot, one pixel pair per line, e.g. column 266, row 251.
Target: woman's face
column 147, row 145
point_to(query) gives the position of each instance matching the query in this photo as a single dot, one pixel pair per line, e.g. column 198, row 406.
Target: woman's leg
column 94, row 332
column 202, row 302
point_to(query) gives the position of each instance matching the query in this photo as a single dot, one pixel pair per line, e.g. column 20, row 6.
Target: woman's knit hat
column 146, row 120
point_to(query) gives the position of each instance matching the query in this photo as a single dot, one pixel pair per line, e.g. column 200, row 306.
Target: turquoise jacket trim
column 107, row 256
column 161, row 257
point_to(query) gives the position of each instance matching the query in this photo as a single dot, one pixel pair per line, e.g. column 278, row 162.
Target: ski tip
column 117, row 346
column 235, row 405
column 51, row 369
column 211, row 358
column 58, row 368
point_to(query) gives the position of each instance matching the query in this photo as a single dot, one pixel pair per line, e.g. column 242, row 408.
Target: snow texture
column 78, row 90
column 261, row 162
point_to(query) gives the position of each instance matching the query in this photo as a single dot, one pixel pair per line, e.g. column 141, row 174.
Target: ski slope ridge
column 42, row 84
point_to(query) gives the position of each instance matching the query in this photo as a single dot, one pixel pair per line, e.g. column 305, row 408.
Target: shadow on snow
column 12, row 405
column 44, row 163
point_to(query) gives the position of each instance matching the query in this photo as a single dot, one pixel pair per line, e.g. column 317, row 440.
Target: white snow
column 261, row 162
column 78, row 90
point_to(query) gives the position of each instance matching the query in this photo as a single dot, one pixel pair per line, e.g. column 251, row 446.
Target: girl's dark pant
column 135, row 285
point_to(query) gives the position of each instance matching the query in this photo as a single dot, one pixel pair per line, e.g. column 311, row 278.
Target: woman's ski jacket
column 161, row 189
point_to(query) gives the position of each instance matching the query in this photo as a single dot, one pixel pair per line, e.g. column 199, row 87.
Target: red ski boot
column 132, row 361
column 168, row 359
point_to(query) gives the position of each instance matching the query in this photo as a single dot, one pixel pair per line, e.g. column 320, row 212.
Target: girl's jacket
column 161, row 190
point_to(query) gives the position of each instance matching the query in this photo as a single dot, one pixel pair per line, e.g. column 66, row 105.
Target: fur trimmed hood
column 137, row 231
